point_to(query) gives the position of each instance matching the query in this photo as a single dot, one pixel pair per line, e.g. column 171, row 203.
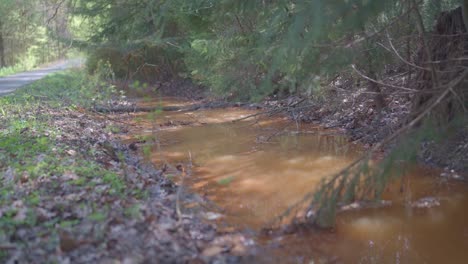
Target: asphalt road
column 10, row 83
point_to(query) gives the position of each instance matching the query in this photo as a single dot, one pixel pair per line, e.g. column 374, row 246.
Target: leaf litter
column 88, row 198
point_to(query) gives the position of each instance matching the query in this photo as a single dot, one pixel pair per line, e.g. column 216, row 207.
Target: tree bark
column 2, row 47
column 465, row 13
column 447, row 45
column 379, row 99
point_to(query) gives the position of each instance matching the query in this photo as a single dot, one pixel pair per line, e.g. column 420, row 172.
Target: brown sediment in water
column 254, row 173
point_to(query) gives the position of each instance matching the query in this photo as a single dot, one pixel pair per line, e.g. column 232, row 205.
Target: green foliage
column 26, row 63
column 23, row 146
column 143, row 62
column 246, row 49
column 106, row 55
column 31, row 35
column 34, row 154
column 365, row 182
column 97, row 216
column 133, row 211
column 431, row 9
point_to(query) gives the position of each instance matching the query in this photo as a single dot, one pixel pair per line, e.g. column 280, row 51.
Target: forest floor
column 71, row 192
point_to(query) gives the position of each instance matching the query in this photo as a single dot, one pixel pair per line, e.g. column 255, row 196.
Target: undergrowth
column 39, row 162
column 25, row 63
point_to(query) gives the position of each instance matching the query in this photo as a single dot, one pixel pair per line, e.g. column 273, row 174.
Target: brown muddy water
column 254, row 169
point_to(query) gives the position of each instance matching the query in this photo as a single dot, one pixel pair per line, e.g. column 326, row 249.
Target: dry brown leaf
column 67, row 242
column 212, row 251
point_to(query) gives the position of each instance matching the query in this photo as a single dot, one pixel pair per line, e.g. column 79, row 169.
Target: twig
column 422, row 31
column 56, row 11
column 278, row 132
column 271, row 112
column 256, row 114
column 7, row 247
column 179, row 188
column 110, row 118
column 181, row 185
column 381, row 83
column 369, row 36
column 401, row 58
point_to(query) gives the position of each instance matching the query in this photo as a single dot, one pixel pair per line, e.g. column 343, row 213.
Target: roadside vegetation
column 5, row 71
column 43, row 162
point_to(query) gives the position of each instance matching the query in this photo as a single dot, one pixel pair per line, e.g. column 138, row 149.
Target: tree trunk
column 448, row 46
column 379, row 99
column 464, row 12
column 2, row 47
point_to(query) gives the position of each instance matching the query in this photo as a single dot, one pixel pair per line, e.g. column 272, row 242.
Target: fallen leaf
column 212, row 216
column 212, row 251
column 21, row 214
column 67, row 242
column 69, row 176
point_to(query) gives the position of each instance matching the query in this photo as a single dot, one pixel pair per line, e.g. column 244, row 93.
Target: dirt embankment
column 356, row 114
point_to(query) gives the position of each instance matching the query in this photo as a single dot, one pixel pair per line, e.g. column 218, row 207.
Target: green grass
column 6, row 71
column 25, row 63
column 36, row 167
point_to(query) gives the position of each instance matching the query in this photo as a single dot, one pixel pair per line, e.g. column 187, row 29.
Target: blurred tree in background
column 33, row 32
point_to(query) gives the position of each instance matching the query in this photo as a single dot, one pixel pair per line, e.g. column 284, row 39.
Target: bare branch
column 401, row 58
column 381, row 83
column 57, row 7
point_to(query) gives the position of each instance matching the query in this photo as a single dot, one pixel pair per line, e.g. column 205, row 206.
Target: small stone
column 426, row 202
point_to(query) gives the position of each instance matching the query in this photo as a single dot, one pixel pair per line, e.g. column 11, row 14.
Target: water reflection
column 264, row 178
column 254, row 173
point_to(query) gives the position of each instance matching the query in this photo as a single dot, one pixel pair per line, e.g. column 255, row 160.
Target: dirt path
column 11, row 83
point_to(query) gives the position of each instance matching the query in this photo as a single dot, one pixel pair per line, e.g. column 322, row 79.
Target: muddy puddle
column 254, row 169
